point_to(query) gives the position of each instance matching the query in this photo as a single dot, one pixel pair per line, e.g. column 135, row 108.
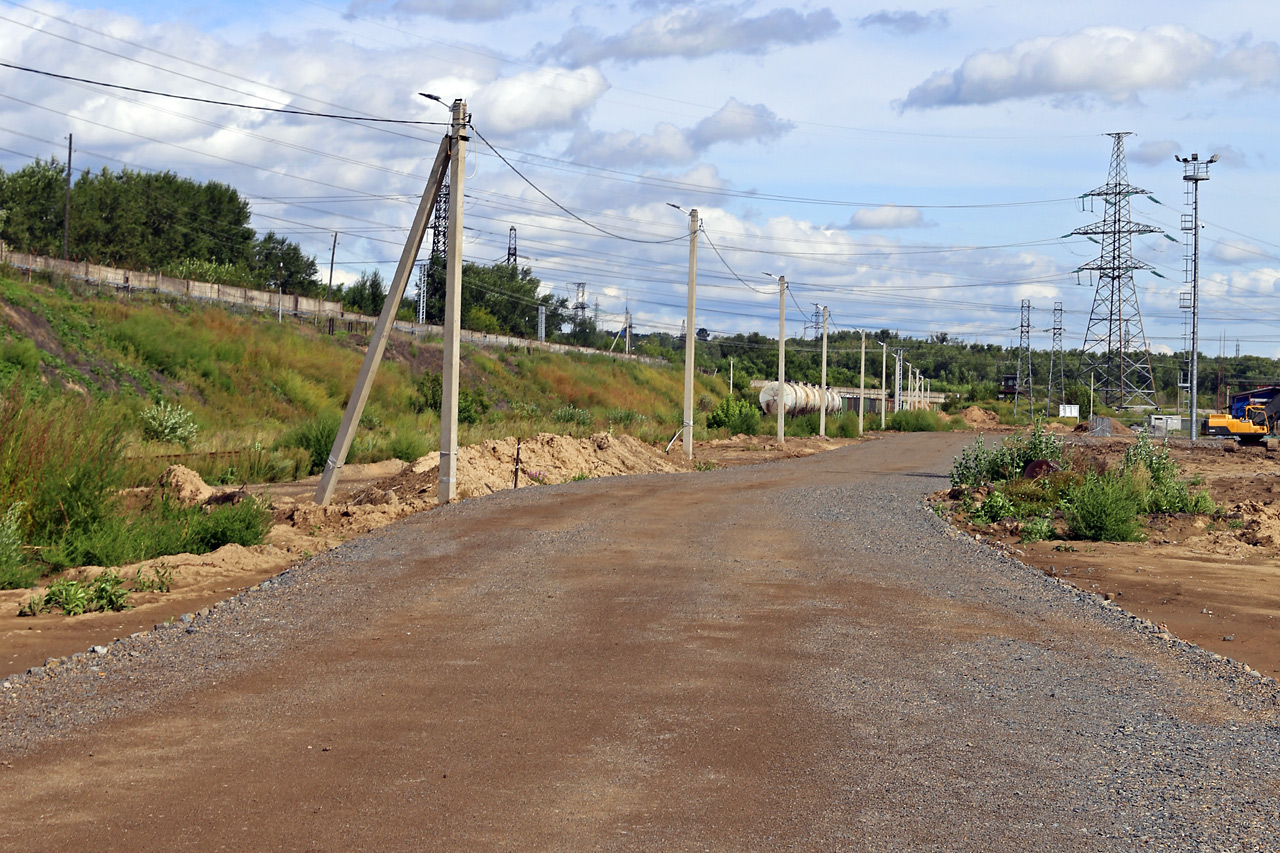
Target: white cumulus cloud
column 543, row 99
column 693, row 31
column 887, row 216
column 1112, row 63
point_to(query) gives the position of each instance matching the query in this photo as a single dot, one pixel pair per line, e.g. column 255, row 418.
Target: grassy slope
column 250, row 380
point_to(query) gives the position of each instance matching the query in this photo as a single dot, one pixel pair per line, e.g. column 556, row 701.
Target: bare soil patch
column 368, row 497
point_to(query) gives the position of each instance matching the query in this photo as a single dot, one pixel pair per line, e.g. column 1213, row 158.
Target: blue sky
column 910, row 167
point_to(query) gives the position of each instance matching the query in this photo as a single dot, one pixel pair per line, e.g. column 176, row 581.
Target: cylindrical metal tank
column 799, row 398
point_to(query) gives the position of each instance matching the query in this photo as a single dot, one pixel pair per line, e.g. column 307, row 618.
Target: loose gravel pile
column 971, row 702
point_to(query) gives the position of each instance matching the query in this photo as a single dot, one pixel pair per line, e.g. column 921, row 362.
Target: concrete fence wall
column 267, row 301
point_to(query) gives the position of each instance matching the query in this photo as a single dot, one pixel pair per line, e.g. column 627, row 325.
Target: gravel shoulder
column 796, row 655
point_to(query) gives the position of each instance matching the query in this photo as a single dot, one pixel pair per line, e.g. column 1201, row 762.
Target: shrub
column 244, row 523
column 408, row 446
column 61, row 458
column 978, row 463
column 736, row 414
column 918, row 420
column 315, row 436
column 15, row 573
column 996, row 506
column 168, row 422
column 1037, row 529
column 430, row 390
column 1155, row 480
column 1103, row 508
column 22, row 353
column 571, row 414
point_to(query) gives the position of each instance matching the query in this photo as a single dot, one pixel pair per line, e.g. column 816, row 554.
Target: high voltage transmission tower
column 1115, row 352
column 1056, row 363
column 580, row 305
column 512, row 257
column 422, row 293
column 440, row 223
column 1024, row 361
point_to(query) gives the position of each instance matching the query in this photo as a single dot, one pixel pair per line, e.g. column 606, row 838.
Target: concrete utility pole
column 731, row 376
column 822, row 413
column 66, row 217
column 909, row 394
column 447, row 489
column 862, row 383
column 333, row 253
column 689, row 336
column 382, row 329
column 884, row 380
column 782, row 353
column 280, row 292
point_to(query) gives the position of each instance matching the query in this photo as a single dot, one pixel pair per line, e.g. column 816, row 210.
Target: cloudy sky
column 911, row 167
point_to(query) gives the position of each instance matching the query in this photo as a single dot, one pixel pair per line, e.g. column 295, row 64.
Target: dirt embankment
column 368, row 497
column 1213, row 580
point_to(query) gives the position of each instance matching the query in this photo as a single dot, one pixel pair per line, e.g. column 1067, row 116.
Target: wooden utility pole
column 822, row 413
column 689, row 336
column 382, row 329
column 782, row 353
column 447, row 488
column 66, row 217
column 862, row 384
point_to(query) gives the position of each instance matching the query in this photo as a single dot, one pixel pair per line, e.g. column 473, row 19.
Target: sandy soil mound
column 184, row 486
column 546, row 458
column 980, row 418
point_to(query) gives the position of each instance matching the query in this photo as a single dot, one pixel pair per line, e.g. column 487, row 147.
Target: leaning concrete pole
column 447, row 488
column 822, row 413
column 382, row 329
column 782, row 352
column 689, row 336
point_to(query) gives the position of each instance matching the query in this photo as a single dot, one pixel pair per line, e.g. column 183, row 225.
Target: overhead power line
column 215, row 102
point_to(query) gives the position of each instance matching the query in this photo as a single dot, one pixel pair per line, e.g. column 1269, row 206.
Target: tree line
column 163, row 222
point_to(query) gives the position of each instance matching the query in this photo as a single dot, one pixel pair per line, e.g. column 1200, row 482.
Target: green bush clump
column 736, row 414
column 918, row 420
column 472, row 405
column 315, row 436
column 21, row 353
column 106, row 592
column 409, row 447
column 163, row 529
column 1155, row 480
column 978, row 463
column 1037, row 529
column 996, row 506
column 1104, row 508
column 61, row 464
column 15, row 572
column 168, row 422
column 571, row 414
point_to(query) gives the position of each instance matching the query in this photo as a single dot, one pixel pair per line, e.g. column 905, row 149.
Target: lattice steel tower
column 1115, row 347
column 1056, row 363
column 1024, row 361
column 440, row 222
column 512, row 257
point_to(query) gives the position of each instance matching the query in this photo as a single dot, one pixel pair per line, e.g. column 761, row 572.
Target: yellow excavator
column 1259, row 423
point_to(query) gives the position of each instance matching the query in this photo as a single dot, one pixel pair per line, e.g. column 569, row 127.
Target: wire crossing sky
column 912, row 168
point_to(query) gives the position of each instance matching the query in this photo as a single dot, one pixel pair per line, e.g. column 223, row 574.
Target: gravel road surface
column 789, row 656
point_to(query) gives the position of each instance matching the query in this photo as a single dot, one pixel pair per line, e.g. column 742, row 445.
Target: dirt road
column 785, row 656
